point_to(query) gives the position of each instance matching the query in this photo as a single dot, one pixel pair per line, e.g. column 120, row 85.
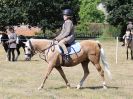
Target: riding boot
column 65, row 51
column 66, row 57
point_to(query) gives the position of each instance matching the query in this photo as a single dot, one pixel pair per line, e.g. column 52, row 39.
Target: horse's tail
column 104, row 61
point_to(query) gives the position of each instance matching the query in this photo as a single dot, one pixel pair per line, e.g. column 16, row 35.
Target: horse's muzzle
column 27, row 57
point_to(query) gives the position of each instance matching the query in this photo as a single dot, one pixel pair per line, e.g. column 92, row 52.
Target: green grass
column 20, row 80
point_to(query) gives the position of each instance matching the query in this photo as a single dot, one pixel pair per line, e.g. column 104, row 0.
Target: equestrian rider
column 130, row 26
column 129, row 29
column 66, row 37
column 12, row 43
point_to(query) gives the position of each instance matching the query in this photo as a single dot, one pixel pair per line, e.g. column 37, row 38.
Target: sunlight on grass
column 20, row 80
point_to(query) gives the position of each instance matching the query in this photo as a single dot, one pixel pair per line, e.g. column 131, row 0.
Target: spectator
column 12, row 44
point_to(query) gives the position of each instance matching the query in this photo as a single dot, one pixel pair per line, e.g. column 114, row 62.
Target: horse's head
column 29, row 50
column 128, row 37
column 33, row 46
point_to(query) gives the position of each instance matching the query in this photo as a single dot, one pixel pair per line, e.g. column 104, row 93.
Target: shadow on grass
column 27, row 61
column 100, row 87
column 93, row 87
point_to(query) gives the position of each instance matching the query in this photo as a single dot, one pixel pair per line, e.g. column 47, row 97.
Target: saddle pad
column 74, row 48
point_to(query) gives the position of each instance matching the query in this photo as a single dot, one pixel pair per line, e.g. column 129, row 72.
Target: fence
column 112, row 45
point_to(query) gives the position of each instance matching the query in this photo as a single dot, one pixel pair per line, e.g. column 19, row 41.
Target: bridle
column 43, row 53
column 32, row 50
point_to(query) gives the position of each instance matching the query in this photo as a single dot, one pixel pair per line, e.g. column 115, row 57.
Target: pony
column 91, row 51
column 129, row 43
column 20, row 43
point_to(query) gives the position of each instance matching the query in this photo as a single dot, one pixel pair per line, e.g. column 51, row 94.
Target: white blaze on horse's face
column 27, row 51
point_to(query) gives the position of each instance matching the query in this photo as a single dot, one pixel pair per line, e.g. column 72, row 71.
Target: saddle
column 72, row 49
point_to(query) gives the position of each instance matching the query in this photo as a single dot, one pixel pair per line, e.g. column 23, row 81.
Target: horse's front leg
column 7, row 56
column 63, row 76
column 127, row 53
column 50, row 68
column 131, row 54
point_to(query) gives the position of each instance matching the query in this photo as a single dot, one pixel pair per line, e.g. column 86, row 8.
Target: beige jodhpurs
column 63, row 43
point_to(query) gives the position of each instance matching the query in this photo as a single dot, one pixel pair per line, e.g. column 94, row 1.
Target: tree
column 120, row 12
column 89, row 12
column 45, row 13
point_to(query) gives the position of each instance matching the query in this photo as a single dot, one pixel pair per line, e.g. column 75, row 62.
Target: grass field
column 20, row 80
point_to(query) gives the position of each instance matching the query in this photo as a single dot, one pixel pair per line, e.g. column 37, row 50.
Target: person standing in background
column 12, row 44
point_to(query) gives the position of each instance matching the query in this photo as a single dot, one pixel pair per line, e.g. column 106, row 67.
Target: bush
column 94, row 30
column 89, row 30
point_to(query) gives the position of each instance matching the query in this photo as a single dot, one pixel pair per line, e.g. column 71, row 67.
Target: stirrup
column 66, row 57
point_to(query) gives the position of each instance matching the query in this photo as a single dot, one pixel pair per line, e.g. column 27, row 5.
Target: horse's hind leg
column 101, row 72
column 18, row 53
column 131, row 54
column 63, row 76
column 86, row 73
column 95, row 60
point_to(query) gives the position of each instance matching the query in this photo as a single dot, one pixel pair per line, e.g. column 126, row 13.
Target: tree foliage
column 120, row 11
column 45, row 13
column 89, row 12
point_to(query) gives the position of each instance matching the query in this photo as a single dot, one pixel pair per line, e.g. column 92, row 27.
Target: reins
column 43, row 52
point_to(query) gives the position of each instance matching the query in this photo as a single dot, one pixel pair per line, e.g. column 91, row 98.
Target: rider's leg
column 62, row 44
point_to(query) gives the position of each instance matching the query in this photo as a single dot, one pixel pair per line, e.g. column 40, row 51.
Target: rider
column 66, row 37
column 130, row 26
column 12, row 43
column 129, row 29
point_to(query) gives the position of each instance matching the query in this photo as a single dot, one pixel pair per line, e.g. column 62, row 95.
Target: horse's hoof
column 78, row 86
column 105, row 87
column 39, row 88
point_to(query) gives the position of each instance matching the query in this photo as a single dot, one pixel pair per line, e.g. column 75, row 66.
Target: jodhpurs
column 63, row 43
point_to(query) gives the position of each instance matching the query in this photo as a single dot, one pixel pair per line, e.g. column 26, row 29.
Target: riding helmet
column 67, row 12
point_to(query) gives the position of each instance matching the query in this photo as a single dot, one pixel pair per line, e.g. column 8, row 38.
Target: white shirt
column 12, row 40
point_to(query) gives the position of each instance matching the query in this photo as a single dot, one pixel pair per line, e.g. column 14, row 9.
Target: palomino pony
column 129, row 42
column 20, row 43
column 91, row 51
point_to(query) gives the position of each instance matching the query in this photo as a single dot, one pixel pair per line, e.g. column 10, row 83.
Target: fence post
column 116, row 50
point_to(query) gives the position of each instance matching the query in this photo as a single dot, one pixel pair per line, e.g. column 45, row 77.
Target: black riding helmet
column 67, row 12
